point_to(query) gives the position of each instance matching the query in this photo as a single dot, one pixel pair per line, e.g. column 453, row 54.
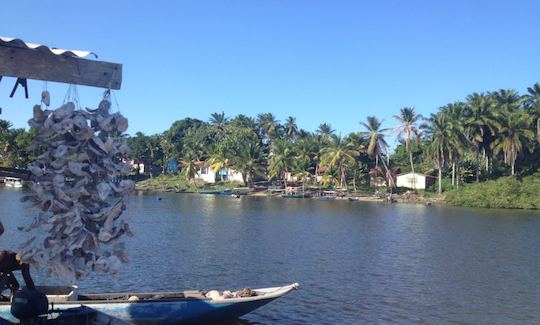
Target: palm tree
column 508, row 99
column 439, row 133
column 281, row 160
column 244, row 121
column 290, row 127
column 250, row 162
column 408, row 120
column 456, row 114
column 376, row 144
column 325, row 130
column 218, row 119
column 340, row 153
column 515, row 135
column 268, row 126
column 218, row 161
column 481, row 126
column 533, row 106
column 4, row 126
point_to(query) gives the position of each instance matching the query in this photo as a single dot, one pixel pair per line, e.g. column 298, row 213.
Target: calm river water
column 357, row 263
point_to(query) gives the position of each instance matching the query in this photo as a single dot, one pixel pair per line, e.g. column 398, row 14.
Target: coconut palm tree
column 455, row 115
column 533, row 106
column 291, row 129
column 481, row 126
column 408, row 130
column 244, row 121
column 268, row 126
column 341, row 154
column 325, row 130
column 218, row 119
column 441, row 141
column 189, row 168
column 508, row 99
column 218, row 161
column 281, row 160
column 515, row 135
column 376, row 144
column 250, row 162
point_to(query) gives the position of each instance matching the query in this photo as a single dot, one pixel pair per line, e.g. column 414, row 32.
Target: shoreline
column 352, row 198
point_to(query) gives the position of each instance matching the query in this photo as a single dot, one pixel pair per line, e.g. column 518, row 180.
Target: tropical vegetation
column 486, row 141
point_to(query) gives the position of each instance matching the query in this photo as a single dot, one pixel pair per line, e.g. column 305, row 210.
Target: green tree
column 516, row 135
column 481, row 126
column 281, row 160
column 291, row 129
column 340, row 154
column 376, row 144
column 408, row 129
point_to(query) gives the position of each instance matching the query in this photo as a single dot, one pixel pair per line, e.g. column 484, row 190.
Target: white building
column 207, row 174
column 415, row 181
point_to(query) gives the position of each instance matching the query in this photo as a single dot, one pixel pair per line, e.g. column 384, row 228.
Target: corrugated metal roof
column 16, row 42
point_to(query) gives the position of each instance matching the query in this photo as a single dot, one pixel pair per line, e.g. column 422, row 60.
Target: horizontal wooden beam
column 35, row 64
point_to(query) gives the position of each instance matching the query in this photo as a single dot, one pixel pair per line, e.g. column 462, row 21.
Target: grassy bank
column 505, row 192
column 163, row 183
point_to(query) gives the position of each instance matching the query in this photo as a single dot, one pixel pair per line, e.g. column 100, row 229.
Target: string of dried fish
column 77, row 190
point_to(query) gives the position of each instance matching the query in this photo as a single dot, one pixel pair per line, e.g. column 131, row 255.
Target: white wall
column 406, row 180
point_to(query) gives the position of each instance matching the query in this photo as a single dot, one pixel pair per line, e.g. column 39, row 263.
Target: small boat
column 293, row 196
column 183, row 307
column 324, row 198
column 13, row 182
column 223, row 192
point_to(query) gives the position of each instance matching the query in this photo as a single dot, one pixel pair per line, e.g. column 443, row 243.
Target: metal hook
column 23, row 83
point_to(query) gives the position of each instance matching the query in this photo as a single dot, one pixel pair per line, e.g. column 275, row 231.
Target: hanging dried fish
column 77, row 191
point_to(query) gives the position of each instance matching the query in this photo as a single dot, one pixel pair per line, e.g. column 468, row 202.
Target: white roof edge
column 17, row 42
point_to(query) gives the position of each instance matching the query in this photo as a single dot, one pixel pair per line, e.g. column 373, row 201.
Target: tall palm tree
column 515, row 136
column 376, row 144
column 218, row 119
column 291, row 129
column 533, row 106
column 455, row 114
column 250, row 162
column 281, row 160
column 408, row 129
column 325, row 130
column 481, row 126
column 508, row 99
column 189, row 168
column 244, row 121
column 341, row 154
column 268, row 126
column 441, row 141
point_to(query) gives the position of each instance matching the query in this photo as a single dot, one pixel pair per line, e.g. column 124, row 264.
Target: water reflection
column 356, row 262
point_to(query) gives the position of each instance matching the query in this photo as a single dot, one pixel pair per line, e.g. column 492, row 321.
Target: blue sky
column 320, row 61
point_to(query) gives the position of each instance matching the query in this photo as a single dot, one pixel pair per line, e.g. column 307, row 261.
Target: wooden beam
column 35, row 64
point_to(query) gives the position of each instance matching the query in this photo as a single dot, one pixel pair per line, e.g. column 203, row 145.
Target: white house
column 414, row 181
column 207, row 174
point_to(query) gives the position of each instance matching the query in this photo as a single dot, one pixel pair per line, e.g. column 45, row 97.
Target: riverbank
column 505, row 192
column 171, row 183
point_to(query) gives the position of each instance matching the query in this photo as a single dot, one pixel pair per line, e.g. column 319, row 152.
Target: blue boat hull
column 172, row 310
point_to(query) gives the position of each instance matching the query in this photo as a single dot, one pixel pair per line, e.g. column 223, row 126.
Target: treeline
column 485, row 136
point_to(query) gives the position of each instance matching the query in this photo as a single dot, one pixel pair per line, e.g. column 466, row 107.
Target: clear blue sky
column 320, row 61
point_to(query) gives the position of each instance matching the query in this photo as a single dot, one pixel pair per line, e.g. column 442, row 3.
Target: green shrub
column 505, row 192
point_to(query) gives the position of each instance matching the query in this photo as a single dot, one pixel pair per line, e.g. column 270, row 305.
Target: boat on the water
column 293, row 196
column 224, row 192
column 183, row 307
column 13, row 182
